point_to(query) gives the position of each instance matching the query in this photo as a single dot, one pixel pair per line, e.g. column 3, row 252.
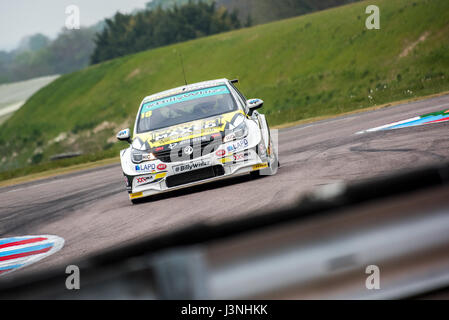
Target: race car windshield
column 185, row 107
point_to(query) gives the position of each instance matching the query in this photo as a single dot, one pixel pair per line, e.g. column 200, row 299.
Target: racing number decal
column 146, row 114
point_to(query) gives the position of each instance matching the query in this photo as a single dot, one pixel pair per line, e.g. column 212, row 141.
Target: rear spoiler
column 234, row 81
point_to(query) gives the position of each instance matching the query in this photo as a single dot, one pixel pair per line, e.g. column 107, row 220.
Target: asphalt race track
column 91, row 210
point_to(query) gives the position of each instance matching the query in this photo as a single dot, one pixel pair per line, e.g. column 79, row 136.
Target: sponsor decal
column 147, row 167
column 161, row 166
column 149, row 179
column 144, row 180
column 239, row 156
column 220, row 153
column 229, row 137
column 200, row 130
column 136, row 195
column 123, row 133
column 226, row 160
column 19, row 252
column 237, row 146
column 161, row 175
column 182, row 131
column 191, row 166
column 188, row 96
column 260, row 166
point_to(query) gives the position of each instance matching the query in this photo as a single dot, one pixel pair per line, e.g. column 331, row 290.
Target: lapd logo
column 149, row 167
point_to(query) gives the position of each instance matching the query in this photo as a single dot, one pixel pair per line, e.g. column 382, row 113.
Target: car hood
column 202, row 128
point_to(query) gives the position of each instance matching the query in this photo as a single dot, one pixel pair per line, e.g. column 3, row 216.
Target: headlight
column 138, row 156
column 239, row 130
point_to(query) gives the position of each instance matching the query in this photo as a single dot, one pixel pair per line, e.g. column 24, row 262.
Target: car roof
column 187, row 88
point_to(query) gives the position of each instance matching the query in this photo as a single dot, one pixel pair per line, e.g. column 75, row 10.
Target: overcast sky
column 19, row 18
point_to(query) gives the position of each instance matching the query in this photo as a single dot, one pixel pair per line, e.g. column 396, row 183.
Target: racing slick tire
column 135, row 201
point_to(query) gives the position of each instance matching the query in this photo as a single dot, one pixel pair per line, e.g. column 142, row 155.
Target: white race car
column 195, row 134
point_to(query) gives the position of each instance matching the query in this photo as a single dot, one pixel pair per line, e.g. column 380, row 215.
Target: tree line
column 130, row 33
column 38, row 55
column 163, row 22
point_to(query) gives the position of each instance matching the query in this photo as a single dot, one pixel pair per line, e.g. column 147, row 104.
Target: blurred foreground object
column 318, row 249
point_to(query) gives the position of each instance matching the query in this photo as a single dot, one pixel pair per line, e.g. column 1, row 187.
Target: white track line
column 389, row 125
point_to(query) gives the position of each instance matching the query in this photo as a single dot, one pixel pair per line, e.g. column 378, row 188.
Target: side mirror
column 124, row 135
column 253, row 104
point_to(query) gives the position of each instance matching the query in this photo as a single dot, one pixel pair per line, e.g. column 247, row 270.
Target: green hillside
column 262, row 11
column 319, row 64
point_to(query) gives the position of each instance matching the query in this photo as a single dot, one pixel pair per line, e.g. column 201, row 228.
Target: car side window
column 240, row 96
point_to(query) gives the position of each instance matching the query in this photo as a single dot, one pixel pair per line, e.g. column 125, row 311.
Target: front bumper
column 215, row 166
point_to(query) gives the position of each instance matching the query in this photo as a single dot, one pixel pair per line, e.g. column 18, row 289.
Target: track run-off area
column 91, row 211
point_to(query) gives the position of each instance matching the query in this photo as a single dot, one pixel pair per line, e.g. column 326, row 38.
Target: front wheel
column 273, row 166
